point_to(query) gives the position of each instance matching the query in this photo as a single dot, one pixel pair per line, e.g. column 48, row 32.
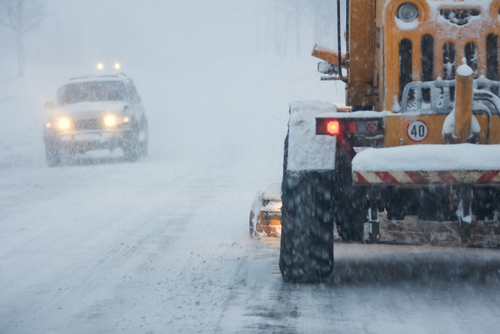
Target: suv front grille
column 88, row 124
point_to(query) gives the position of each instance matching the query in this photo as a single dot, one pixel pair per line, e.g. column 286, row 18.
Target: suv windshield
column 91, row 91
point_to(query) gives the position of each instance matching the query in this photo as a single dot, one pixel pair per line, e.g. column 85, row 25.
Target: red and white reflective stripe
column 443, row 177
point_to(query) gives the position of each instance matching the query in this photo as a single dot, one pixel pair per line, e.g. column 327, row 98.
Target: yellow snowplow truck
column 419, row 133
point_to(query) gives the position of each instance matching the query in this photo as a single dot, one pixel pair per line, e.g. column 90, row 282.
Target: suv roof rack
column 111, row 76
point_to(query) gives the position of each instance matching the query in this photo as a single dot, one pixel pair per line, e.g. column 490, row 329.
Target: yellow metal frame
column 373, row 57
column 396, row 129
column 442, row 32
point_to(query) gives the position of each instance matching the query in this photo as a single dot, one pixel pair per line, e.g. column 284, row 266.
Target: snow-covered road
column 161, row 246
column 97, row 248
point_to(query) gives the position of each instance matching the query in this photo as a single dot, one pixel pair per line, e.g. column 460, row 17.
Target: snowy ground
column 162, row 246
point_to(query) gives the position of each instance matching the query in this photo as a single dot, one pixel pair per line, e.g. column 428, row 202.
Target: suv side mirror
column 327, row 68
column 49, row 105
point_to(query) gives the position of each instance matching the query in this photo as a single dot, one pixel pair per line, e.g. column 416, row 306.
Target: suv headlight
column 63, row 123
column 110, row 121
column 407, row 12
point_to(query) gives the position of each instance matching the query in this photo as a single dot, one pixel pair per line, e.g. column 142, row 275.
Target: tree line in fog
column 291, row 27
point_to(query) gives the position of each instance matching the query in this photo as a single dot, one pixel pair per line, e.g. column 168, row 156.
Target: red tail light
column 352, row 127
column 333, row 127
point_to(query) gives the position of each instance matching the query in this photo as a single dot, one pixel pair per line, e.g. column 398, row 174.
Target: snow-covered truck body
column 422, row 87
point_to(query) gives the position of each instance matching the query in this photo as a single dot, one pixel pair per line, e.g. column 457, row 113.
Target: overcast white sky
column 79, row 32
column 206, row 63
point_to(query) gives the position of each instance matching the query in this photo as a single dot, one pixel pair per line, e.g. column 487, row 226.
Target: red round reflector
column 333, row 128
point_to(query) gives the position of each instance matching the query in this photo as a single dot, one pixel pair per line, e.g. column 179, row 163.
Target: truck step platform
column 412, row 231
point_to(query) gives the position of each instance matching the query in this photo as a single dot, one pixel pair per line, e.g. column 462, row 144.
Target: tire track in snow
column 118, row 262
column 257, row 302
column 89, row 283
column 374, row 288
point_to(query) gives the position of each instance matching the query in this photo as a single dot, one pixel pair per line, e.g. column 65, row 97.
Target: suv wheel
column 52, row 153
column 144, row 137
column 131, row 146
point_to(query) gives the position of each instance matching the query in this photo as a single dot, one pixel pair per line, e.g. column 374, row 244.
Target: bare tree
column 21, row 16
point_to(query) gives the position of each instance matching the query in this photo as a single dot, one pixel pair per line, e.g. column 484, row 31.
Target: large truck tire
column 349, row 203
column 306, row 253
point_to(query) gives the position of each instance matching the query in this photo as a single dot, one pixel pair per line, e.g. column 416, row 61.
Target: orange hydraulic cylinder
column 463, row 106
column 361, row 53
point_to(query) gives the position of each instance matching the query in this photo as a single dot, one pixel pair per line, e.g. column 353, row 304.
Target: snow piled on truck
column 428, row 158
column 306, row 150
column 273, row 192
column 449, row 122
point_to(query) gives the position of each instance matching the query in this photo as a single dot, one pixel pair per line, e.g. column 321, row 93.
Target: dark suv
column 94, row 113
